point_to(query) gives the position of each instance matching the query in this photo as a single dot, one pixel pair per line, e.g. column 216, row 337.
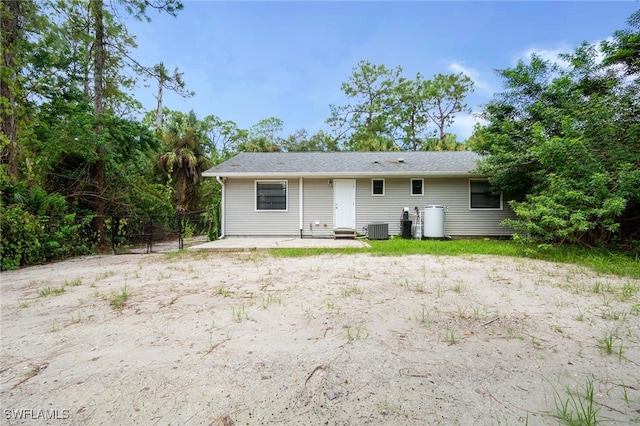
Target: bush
column 29, row 238
column 21, row 238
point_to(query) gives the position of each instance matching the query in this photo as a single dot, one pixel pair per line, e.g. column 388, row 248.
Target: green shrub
column 21, row 240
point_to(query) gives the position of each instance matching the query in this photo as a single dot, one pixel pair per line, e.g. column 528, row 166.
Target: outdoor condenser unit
column 378, row 231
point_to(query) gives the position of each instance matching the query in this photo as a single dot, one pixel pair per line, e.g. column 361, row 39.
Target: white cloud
column 464, row 124
column 479, row 83
column 547, row 54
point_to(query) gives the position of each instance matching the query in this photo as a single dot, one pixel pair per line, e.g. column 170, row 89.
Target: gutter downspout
column 301, row 204
column 222, row 205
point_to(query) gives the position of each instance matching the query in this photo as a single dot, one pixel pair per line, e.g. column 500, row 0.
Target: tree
column 223, row 137
column 173, row 82
column 184, row 159
column 391, row 112
column 410, row 117
column 300, row 141
column 366, row 123
column 624, row 49
column 443, row 97
column 449, row 143
column 264, row 136
column 16, row 18
column 99, row 61
column 564, row 141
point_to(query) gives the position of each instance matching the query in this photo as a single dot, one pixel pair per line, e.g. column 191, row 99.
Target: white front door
column 344, row 198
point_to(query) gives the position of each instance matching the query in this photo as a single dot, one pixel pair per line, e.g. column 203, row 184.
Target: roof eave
column 340, row 174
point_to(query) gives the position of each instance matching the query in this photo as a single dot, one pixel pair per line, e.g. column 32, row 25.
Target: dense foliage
column 565, row 138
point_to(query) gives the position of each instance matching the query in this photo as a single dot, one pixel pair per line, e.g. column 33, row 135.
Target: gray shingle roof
column 251, row 164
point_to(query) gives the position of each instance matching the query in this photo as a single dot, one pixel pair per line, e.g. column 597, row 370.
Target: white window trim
column 483, row 208
column 255, row 194
column 421, row 187
column 384, row 187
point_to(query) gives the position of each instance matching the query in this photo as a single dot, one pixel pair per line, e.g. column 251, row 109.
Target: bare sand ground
column 248, row 338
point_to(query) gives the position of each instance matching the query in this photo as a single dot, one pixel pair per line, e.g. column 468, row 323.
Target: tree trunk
column 11, row 29
column 98, row 110
column 159, row 109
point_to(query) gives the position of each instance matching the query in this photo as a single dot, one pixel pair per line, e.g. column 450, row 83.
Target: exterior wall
column 318, row 207
column 453, row 193
column 242, row 219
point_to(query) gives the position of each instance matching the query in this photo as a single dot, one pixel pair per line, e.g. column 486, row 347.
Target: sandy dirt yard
column 248, row 338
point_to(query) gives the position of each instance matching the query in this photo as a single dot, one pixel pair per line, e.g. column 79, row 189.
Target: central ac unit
column 378, row 231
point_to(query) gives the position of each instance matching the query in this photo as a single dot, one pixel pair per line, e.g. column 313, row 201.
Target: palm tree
column 184, row 159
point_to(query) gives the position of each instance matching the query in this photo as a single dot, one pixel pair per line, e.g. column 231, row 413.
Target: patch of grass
column 213, row 345
column 51, row 291
column 176, row 255
column 600, row 260
column 629, row 290
column 356, row 333
column 117, row 298
column 239, row 314
column 614, row 315
column 577, row 409
column 423, row 316
column 476, row 312
column 606, row 343
column 450, row 337
column 105, row 275
column 223, row 291
column 272, row 298
column 74, row 283
column 351, row 290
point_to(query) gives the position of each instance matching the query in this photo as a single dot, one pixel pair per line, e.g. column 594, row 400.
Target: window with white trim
column 482, row 195
column 271, row 195
column 417, row 186
column 377, row 186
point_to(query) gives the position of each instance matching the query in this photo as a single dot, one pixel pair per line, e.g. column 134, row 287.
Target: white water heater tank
column 434, row 222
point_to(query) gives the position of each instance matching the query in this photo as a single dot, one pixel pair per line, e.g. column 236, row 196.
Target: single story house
column 318, row 194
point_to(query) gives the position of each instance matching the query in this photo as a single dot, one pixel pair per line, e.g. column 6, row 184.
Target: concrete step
column 344, row 233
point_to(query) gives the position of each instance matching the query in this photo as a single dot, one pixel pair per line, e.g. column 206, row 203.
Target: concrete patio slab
column 267, row 243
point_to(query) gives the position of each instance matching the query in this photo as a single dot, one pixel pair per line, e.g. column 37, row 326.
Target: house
column 319, row 194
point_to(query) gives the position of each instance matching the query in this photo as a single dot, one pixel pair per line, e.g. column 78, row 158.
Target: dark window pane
column 271, row 196
column 483, row 197
column 416, row 187
column 378, row 187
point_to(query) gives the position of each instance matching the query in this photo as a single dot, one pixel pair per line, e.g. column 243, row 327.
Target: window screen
column 483, row 195
column 271, row 195
column 377, row 186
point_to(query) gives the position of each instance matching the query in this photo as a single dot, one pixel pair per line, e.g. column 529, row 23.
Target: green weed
column 577, row 409
column 51, row 291
column 356, row 333
column 117, row 298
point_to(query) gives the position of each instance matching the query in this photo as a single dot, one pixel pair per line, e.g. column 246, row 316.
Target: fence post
column 150, row 235
column 115, row 223
column 180, row 239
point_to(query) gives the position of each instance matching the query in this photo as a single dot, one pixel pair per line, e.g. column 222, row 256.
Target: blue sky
column 252, row 60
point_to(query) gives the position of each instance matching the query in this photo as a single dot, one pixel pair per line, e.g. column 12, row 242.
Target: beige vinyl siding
column 318, row 207
column 460, row 220
column 385, row 208
column 242, row 219
column 452, row 193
